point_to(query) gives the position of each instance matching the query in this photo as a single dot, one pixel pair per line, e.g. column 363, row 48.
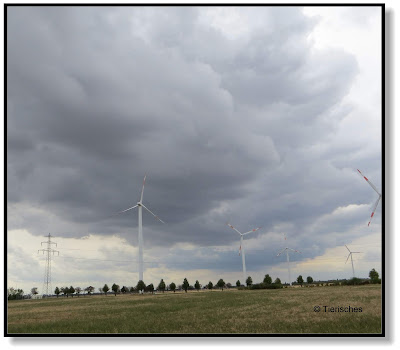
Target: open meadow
column 289, row 310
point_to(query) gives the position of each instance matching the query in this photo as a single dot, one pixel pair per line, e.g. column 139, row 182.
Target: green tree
column 20, row 293
column 34, row 291
column 249, row 281
column 300, row 280
column 115, row 288
column 131, row 290
column 374, row 276
column 11, row 292
column 210, row 285
column 237, row 283
column 89, row 290
column 161, row 285
column 124, row 289
column 78, row 290
column 185, row 285
column 14, row 294
column 65, row 291
column 278, row 281
column 197, row 285
column 150, row 288
column 310, row 280
column 172, row 286
column 105, row 289
column 221, row 283
column 267, row 279
column 57, row 291
column 71, row 291
column 140, row 286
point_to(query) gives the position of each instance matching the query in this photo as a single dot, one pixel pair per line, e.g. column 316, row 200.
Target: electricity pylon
column 47, row 289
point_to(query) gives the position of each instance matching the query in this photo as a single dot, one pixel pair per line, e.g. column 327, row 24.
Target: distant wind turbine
column 287, row 258
column 241, row 248
column 375, row 189
column 139, row 205
column 351, row 256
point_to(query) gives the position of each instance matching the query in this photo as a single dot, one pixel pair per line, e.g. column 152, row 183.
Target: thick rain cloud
column 239, row 128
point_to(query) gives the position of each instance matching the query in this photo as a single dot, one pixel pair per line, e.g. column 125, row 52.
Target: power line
column 93, row 250
column 76, row 258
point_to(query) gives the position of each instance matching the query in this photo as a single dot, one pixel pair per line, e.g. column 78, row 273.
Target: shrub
column 355, row 282
column 266, row 286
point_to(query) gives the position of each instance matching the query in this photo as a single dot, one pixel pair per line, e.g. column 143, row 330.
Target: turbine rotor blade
column 252, row 231
column 141, row 196
column 153, row 214
column 240, row 233
column 347, row 248
column 281, row 252
column 348, row 258
column 123, row 211
column 373, row 211
column 297, row 251
column 371, row 184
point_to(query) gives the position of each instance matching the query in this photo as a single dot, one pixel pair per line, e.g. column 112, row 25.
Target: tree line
column 141, row 287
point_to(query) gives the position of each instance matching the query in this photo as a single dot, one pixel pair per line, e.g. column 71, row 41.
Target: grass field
column 233, row 311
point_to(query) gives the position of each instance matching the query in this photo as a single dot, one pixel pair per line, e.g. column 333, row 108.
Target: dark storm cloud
column 226, row 129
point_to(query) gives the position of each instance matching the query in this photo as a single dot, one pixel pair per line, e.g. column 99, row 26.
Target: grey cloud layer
column 226, row 129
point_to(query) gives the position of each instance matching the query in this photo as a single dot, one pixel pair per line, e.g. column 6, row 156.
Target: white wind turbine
column 287, row 258
column 379, row 196
column 351, row 256
column 241, row 249
column 139, row 205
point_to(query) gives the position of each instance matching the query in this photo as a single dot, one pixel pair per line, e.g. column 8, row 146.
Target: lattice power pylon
column 47, row 289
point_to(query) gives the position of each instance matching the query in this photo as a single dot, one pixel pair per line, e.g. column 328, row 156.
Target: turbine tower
column 241, row 249
column 287, row 258
column 376, row 190
column 351, row 256
column 47, row 289
column 140, row 205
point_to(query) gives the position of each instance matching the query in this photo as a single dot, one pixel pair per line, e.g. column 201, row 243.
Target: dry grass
column 255, row 311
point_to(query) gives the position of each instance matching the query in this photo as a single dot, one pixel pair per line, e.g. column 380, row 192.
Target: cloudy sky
column 257, row 116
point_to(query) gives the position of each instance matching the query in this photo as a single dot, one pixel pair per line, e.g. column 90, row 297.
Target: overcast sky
column 257, row 116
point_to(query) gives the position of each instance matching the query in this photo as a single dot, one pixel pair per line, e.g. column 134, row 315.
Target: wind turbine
column 140, row 205
column 241, row 249
column 287, row 258
column 351, row 256
column 375, row 189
